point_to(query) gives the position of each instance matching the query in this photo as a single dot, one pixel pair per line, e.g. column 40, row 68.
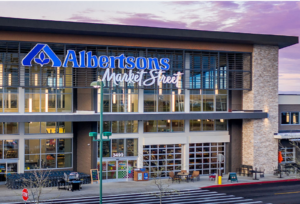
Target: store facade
column 173, row 99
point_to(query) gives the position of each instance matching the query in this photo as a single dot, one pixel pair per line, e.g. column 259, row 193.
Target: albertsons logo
column 41, row 50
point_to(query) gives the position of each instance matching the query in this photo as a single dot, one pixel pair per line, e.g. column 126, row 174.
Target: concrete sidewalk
column 8, row 195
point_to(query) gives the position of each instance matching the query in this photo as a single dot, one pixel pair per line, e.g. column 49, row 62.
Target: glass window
column 64, row 145
column 149, row 101
column 208, row 102
column 221, row 103
column 11, row 100
column 208, row 125
column 106, row 149
column 32, row 102
column 195, row 102
column 64, row 160
column 179, row 103
column 285, row 118
column 1, row 128
column 32, row 146
column 48, row 161
column 150, row 126
column 132, row 126
column 177, row 125
column 164, row 126
column 48, row 145
column 118, row 102
column 11, row 149
column 164, row 103
column 32, row 162
column 118, row 126
column 117, row 146
column 195, row 125
column 48, row 127
column 132, row 147
column 1, row 149
column 11, row 128
column 295, row 118
column 221, row 124
column 64, row 127
column 32, row 127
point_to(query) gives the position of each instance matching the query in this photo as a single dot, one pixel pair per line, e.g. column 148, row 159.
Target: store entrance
column 118, row 169
column 7, row 167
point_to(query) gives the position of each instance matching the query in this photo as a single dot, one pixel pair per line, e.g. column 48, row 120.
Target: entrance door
column 6, row 168
column 118, row 170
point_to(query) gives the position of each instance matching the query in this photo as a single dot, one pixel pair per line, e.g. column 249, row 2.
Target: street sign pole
column 99, row 84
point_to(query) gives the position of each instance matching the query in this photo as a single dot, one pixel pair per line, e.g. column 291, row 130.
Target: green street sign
column 93, row 134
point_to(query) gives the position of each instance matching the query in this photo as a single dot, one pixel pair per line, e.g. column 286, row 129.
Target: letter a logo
column 41, row 50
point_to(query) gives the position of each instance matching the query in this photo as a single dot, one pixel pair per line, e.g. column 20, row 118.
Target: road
column 181, row 197
column 275, row 193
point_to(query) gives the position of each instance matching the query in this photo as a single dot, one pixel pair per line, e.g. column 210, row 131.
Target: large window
column 48, row 127
column 9, row 149
column 9, row 99
column 208, row 125
column 129, row 126
column 48, row 100
column 119, row 100
column 163, row 158
column 288, row 154
column 203, row 157
column 208, row 100
column 163, row 100
column 120, row 148
column 163, row 125
column 9, row 128
column 290, row 118
column 48, row 153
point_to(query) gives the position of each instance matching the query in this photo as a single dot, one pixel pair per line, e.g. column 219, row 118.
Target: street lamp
column 99, row 84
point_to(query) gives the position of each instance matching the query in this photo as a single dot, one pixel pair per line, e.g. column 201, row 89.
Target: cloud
column 84, row 18
column 148, row 19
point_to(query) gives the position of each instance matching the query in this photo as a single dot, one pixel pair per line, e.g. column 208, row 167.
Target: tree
column 163, row 188
column 35, row 183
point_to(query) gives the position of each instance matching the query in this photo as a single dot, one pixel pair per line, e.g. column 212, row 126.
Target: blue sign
column 42, row 54
column 146, row 176
column 41, row 50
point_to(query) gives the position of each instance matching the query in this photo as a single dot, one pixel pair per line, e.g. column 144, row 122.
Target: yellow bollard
column 220, row 180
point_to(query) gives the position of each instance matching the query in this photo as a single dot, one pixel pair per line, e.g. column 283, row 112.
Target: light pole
column 99, row 84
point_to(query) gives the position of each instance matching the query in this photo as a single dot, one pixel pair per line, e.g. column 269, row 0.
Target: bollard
column 220, row 180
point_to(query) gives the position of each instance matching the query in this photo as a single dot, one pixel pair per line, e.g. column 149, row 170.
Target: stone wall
column 259, row 146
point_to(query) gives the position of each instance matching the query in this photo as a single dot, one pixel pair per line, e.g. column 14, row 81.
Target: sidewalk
column 8, row 195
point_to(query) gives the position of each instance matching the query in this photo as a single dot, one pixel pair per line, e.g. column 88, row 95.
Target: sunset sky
column 281, row 18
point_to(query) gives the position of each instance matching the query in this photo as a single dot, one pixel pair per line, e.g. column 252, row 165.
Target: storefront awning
column 287, row 135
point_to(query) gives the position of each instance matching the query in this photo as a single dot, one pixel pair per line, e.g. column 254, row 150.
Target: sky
column 279, row 18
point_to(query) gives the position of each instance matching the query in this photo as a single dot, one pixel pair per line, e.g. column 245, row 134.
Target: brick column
column 259, row 148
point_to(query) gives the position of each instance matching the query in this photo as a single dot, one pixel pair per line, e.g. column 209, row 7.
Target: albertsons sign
column 42, row 54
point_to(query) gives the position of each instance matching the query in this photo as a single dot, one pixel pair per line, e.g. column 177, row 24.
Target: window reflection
column 11, row 149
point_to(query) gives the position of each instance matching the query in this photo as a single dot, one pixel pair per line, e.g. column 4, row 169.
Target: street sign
column 220, row 158
column 25, row 194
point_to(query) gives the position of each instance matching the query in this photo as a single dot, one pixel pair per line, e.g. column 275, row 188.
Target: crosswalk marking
column 194, row 196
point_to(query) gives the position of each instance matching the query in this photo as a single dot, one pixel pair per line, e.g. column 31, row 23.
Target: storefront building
column 173, row 99
column 289, row 128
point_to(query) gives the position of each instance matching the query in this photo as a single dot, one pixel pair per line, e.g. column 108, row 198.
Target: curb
column 249, row 183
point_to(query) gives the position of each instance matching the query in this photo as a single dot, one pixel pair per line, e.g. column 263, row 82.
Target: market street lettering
column 155, row 76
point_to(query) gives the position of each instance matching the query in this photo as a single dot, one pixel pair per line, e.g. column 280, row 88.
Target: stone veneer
column 258, row 144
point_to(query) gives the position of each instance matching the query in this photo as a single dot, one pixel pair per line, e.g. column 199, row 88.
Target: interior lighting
column 169, row 121
column 57, row 76
column 129, row 100
column 294, row 119
column 173, row 101
column 46, row 100
column 9, row 79
column 287, row 117
column 9, row 99
column 200, row 91
column 199, row 120
column 114, row 98
column 179, row 84
column 35, row 79
column 1, row 76
column 221, row 120
column 30, row 105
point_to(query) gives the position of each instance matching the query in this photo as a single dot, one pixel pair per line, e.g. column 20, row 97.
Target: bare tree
column 163, row 188
column 38, row 180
